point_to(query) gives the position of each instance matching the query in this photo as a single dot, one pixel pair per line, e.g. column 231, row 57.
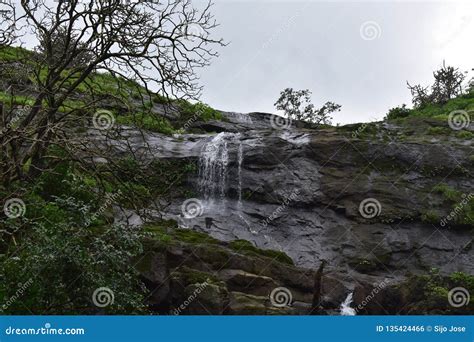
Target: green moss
column 191, row 236
column 16, row 100
column 465, row 135
column 167, row 230
column 246, row 247
column 149, row 121
column 448, row 192
column 364, row 265
column 11, row 53
column 438, row 131
column 431, row 216
column 192, row 276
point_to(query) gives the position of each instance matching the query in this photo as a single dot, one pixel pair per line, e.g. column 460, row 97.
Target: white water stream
column 214, row 166
column 346, row 309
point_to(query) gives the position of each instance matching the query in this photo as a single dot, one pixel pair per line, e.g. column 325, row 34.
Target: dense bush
column 63, row 248
column 398, row 112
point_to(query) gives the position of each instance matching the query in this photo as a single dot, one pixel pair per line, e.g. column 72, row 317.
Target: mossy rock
column 191, row 236
column 246, row 304
column 429, row 294
column 189, row 276
column 246, row 247
column 364, row 265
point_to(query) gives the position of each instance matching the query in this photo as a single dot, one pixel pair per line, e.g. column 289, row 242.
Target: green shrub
column 398, row 112
column 189, row 112
column 60, row 261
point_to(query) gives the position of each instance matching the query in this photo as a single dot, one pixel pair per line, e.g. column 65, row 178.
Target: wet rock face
column 358, row 202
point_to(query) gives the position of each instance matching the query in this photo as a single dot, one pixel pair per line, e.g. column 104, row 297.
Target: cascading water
column 213, row 166
column 239, row 172
column 346, row 309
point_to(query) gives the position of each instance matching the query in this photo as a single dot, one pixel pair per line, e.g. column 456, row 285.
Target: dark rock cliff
column 365, row 198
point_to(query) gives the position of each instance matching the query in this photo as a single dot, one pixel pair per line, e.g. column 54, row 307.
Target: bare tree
column 149, row 45
column 7, row 22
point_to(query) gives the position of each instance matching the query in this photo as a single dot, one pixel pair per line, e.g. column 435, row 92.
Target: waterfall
column 213, row 167
column 346, row 309
column 239, row 172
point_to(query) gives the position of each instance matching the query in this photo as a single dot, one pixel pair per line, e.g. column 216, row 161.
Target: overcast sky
column 358, row 54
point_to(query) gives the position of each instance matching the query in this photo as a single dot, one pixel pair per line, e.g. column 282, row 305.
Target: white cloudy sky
column 318, row 45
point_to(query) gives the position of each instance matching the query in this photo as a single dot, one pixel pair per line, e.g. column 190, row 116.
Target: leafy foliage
column 297, row 105
column 448, row 83
column 62, row 251
column 398, row 112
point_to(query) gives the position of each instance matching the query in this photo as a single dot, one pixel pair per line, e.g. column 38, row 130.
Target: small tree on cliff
column 297, row 105
column 448, row 83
